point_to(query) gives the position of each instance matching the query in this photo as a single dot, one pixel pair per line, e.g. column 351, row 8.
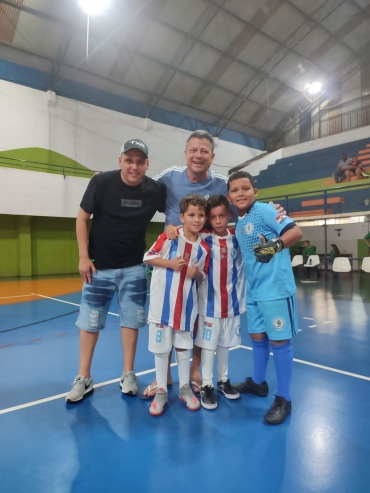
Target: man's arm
column 85, row 265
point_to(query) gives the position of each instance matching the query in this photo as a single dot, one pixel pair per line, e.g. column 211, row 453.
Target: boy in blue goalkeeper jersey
column 264, row 237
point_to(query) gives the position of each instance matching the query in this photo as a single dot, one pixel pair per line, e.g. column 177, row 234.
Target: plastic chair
column 342, row 264
column 313, row 262
column 365, row 267
column 298, row 260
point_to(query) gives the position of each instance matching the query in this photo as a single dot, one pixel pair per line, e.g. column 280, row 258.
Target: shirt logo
column 279, row 323
column 237, row 330
column 194, row 262
column 234, row 253
column 131, row 203
column 280, row 218
column 249, row 228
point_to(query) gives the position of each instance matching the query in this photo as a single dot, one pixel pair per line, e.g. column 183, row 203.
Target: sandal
column 149, row 389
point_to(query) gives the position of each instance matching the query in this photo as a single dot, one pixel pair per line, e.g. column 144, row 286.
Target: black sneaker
column 228, row 390
column 208, row 397
column 249, row 387
column 279, row 411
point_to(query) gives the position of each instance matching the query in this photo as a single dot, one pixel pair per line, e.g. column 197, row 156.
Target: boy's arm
column 195, row 273
column 175, row 264
column 265, row 250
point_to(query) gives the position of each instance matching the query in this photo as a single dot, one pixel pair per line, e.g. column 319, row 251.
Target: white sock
column 222, row 363
column 161, row 368
column 183, row 366
column 208, row 357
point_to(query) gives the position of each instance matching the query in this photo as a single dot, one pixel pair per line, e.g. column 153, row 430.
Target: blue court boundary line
column 146, row 372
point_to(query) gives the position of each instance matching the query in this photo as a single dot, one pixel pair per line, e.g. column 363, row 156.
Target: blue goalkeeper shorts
column 278, row 318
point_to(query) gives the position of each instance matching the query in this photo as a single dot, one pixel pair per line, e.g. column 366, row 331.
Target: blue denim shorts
column 129, row 283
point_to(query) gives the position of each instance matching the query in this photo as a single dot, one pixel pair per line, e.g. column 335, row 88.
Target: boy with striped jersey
column 222, row 299
column 179, row 265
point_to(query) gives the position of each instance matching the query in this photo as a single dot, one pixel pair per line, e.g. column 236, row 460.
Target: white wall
column 346, row 242
column 92, row 135
column 31, row 193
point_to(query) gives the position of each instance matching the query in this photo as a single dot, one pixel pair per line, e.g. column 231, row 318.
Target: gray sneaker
column 81, row 386
column 159, row 402
column 128, row 383
column 186, row 395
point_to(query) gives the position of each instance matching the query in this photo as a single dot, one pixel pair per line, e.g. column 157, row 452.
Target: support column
column 24, row 246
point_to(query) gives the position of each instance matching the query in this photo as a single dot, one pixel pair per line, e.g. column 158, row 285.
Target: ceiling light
column 314, row 88
column 94, row 7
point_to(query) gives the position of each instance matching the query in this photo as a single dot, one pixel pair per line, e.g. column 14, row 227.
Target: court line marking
column 322, row 367
column 146, row 372
column 311, row 326
column 306, row 318
column 67, row 302
column 16, row 296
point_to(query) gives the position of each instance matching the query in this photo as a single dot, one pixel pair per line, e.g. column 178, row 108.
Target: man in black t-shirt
column 122, row 203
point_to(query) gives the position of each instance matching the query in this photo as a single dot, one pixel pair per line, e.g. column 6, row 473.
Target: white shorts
column 162, row 338
column 213, row 332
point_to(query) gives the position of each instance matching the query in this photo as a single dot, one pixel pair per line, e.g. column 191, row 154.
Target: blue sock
column 261, row 353
column 283, row 356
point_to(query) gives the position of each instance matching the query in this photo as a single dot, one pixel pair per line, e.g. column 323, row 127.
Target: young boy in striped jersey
column 222, row 299
column 173, row 310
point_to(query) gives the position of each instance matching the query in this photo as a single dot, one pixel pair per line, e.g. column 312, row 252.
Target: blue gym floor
column 110, row 443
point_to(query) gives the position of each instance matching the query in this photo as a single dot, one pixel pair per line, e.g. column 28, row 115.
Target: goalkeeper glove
column 265, row 250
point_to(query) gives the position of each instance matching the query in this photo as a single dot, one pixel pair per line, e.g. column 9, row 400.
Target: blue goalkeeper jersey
column 178, row 185
column 275, row 279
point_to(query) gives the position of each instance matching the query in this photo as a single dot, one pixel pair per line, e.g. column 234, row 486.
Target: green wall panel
column 152, row 233
column 54, row 246
column 41, row 246
column 9, row 265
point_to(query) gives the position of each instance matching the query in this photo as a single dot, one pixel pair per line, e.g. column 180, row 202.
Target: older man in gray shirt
column 343, row 164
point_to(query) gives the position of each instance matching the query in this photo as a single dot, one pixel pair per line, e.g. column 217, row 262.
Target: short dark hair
column 237, row 175
column 216, row 201
column 191, row 199
column 306, row 241
column 201, row 134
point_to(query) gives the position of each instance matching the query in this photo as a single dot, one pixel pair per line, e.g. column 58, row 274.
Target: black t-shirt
column 121, row 214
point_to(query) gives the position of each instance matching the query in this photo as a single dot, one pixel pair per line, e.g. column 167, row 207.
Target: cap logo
column 137, row 142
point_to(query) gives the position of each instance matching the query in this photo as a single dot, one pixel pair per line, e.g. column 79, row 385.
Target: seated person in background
column 354, row 169
column 308, row 250
column 334, row 252
column 340, row 174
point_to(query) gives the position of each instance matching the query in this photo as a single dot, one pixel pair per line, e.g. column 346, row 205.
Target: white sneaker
column 128, row 383
column 81, row 386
